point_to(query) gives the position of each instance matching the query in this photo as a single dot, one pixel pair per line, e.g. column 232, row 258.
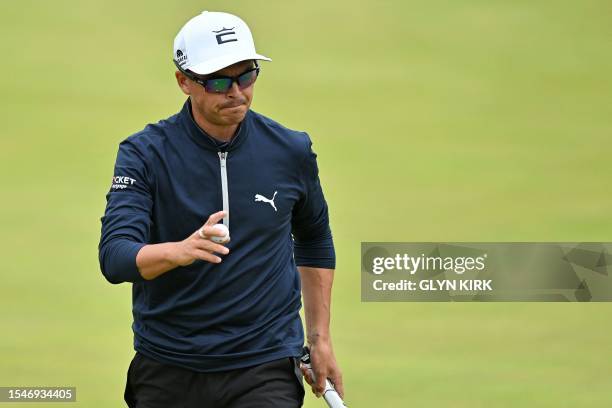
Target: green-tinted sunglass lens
column 245, row 80
column 218, row 85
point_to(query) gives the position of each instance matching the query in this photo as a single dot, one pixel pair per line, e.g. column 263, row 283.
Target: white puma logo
column 259, row 197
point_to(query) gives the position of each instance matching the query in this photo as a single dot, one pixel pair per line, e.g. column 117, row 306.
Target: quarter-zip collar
column 198, row 135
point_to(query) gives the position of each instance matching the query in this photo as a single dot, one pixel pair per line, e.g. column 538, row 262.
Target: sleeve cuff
column 317, row 255
column 118, row 261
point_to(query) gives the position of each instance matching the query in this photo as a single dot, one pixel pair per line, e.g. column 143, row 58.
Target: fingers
column 207, row 256
column 210, row 231
column 324, row 367
column 306, row 374
column 199, row 246
column 210, row 246
column 338, row 385
column 319, row 387
column 213, row 219
column 207, row 250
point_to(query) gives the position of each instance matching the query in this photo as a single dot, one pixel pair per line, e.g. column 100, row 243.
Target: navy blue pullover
column 167, row 182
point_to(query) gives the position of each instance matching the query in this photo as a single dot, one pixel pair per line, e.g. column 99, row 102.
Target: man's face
column 220, row 109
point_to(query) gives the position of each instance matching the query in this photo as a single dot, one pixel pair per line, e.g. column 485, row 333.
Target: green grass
column 443, row 120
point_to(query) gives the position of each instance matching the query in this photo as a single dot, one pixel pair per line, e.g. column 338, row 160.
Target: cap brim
column 211, row 66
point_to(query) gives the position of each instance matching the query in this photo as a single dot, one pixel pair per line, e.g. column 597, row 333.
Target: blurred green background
column 440, row 120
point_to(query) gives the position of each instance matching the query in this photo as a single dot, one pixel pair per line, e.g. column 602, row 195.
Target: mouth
column 232, row 105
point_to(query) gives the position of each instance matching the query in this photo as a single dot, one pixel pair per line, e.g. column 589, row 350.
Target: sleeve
column 313, row 243
column 127, row 218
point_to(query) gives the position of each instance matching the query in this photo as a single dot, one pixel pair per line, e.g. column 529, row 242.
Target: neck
column 219, row 132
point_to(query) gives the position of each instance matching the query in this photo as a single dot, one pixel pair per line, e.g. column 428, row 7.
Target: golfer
column 218, row 324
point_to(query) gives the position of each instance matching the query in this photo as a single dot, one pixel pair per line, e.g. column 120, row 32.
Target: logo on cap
column 181, row 58
column 225, row 32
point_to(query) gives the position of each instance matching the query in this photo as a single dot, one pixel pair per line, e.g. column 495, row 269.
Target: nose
column 234, row 91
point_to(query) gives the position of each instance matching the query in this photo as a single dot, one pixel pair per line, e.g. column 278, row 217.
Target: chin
column 234, row 115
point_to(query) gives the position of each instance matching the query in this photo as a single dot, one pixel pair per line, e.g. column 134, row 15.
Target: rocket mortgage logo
column 122, row 182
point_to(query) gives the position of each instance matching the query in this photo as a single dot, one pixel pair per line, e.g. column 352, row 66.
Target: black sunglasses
column 222, row 84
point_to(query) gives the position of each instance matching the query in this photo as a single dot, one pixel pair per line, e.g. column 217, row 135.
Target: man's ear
column 182, row 82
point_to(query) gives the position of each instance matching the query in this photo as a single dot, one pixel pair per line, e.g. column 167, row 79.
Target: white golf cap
column 212, row 41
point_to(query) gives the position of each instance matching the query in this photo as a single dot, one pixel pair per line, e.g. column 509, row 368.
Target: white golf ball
column 225, row 238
